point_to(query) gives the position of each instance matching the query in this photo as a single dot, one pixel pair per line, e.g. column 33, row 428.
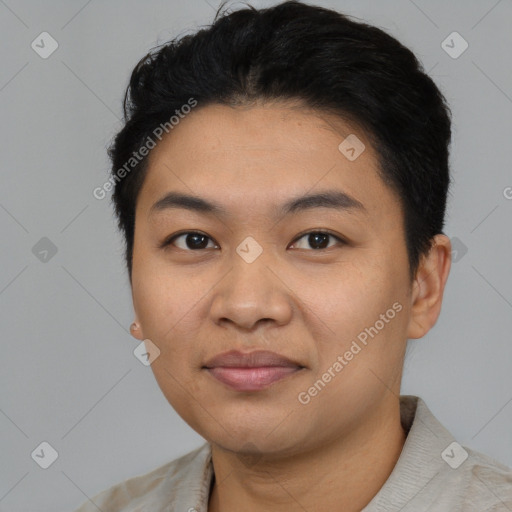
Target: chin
column 269, row 436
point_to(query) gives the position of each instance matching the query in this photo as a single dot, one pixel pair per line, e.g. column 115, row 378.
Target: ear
column 136, row 329
column 428, row 287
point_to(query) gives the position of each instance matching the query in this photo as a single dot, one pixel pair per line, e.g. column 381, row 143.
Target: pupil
column 316, row 238
column 195, row 237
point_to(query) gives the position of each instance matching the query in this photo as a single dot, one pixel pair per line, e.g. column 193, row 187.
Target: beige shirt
column 433, row 473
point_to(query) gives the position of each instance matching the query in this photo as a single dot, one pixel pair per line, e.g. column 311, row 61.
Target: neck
column 341, row 474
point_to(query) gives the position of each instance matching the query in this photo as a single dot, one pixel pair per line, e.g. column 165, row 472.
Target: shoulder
column 488, row 483
column 464, row 479
column 436, row 473
column 156, row 489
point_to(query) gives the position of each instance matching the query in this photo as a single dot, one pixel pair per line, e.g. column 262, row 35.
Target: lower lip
column 251, row 379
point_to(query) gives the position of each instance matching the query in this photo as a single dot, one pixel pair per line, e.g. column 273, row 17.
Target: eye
column 190, row 240
column 318, row 240
column 194, row 240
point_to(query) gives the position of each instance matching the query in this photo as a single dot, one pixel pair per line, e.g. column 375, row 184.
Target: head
column 314, row 153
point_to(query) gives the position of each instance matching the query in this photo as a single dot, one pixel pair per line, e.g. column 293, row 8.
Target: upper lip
column 255, row 359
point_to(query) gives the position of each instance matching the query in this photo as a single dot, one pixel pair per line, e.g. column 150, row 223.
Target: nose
column 250, row 294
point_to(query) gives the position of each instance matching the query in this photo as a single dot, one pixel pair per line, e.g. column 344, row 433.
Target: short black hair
column 325, row 60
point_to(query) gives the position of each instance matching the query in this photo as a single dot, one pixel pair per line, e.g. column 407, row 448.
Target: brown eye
column 190, row 241
column 317, row 240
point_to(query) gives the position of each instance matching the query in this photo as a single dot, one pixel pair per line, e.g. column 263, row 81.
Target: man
column 281, row 183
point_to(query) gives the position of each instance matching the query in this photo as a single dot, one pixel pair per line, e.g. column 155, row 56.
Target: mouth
column 251, row 371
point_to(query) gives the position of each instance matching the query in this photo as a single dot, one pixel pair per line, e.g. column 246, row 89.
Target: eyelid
column 321, row 231
column 168, row 241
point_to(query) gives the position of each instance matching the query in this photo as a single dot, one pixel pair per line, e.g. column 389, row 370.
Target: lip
column 250, row 371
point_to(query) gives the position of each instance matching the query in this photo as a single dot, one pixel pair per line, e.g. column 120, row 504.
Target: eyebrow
column 328, row 199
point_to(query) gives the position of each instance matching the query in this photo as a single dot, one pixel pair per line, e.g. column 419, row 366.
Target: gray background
column 69, row 376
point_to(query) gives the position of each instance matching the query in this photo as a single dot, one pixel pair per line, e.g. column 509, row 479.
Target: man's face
column 253, row 277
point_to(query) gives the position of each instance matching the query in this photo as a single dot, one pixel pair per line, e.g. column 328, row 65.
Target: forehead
column 263, row 156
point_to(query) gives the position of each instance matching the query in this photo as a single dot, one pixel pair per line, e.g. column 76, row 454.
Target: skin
column 269, row 451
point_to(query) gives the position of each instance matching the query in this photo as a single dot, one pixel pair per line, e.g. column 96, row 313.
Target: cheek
column 166, row 309
column 365, row 311
column 171, row 307
column 163, row 298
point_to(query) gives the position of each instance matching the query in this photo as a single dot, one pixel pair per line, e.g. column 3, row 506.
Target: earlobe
column 136, row 331
column 428, row 287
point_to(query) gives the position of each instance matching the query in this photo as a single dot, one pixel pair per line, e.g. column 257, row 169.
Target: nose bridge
column 251, row 277
column 251, row 290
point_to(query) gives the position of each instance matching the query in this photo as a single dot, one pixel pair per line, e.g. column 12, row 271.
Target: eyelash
column 169, row 240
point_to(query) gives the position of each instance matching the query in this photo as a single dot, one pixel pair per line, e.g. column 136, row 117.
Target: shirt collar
column 419, row 463
column 420, row 460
